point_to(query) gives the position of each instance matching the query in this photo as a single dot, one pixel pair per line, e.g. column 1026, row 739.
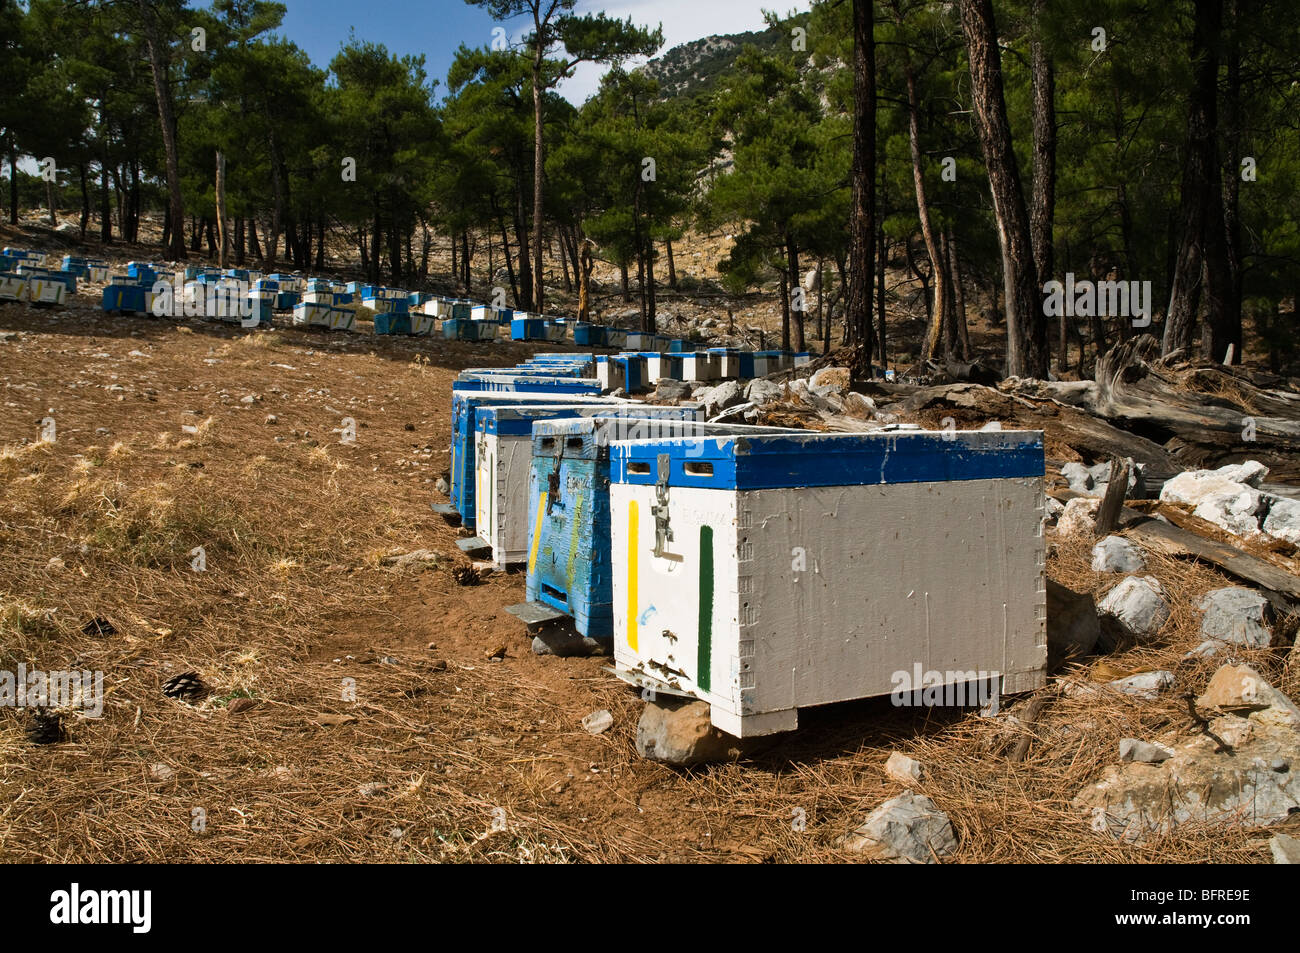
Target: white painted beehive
column 13, row 287
column 46, row 291
column 768, row 574
column 701, row 366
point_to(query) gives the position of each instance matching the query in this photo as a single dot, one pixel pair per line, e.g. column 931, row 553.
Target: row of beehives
column 762, row 570
column 208, row 292
column 24, row 277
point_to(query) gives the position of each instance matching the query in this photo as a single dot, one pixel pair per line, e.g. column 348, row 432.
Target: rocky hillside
column 690, row 69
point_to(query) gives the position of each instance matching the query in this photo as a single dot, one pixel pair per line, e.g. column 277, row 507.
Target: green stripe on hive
column 705, row 651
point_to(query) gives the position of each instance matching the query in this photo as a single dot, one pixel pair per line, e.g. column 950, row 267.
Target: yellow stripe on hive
column 631, row 575
column 537, row 531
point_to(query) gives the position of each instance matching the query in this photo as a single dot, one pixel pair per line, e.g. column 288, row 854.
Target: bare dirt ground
column 165, row 442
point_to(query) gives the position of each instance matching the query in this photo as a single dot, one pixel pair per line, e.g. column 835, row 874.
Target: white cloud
column 682, row 20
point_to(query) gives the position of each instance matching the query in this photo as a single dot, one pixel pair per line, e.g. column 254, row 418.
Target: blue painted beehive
column 67, row 279
column 126, row 298
column 465, row 329
column 626, row 370
column 527, row 329
column 464, row 408
column 392, row 323
column 586, row 334
column 141, row 272
column 569, row 556
column 507, row 382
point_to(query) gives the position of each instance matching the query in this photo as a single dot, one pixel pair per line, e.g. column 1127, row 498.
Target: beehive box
column 662, row 365
column 768, row 574
column 638, row 341
column 615, row 337
column 586, row 334
column 341, row 318
column 464, row 329
column 464, row 410
column 46, row 290
column 13, row 287
column 508, row 381
column 67, row 279
column 626, row 370
column 261, row 308
column 570, row 563
column 392, row 324
column 527, row 329
column 422, row 323
column 503, row 462
column 127, row 298
column 306, row 314
column 728, row 359
column 700, row 366
column 142, row 272
column 486, row 312
column 21, row 255
column 437, row 307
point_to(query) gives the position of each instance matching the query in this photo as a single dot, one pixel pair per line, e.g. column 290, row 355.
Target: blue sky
column 436, row 27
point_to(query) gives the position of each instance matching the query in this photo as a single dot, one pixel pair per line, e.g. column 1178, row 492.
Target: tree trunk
column 1223, row 254
column 13, row 180
column 539, row 159
column 239, row 241
column 51, row 203
column 882, row 258
column 166, row 117
column 623, row 277
column 223, row 228
column 85, row 201
column 585, row 265
column 510, row 265
column 564, row 266
column 105, row 205
column 254, row 246
column 1026, row 323
column 792, row 254
column 958, row 297
column 857, row 305
column 938, row 272
column 651, row 314
column 785, row 309
column 672, row 266
column 521, row 236
column 464, row 260
column 1198, row 167
column 1043, row 200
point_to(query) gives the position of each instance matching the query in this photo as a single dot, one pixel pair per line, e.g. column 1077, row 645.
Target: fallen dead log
column 1133, row 386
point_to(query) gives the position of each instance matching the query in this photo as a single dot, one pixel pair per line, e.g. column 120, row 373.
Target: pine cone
column 465, row 575
column 45, row 727
column 186, row 685
column 99, row 626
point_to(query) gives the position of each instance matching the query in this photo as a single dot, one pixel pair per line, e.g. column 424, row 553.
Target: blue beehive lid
column 745, row 463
